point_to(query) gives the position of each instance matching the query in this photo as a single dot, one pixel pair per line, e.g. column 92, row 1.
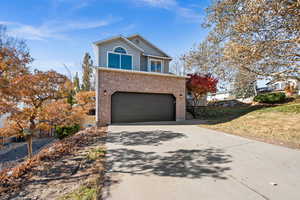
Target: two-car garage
column 129, row 107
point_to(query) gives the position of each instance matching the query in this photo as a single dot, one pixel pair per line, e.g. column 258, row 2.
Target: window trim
column 153, row 59
column 122, row 48
column 120, row 59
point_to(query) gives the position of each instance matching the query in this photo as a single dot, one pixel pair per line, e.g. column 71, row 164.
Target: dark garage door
column 142, row 107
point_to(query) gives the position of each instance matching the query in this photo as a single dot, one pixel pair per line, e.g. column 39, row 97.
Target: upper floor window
column 155, row 65
column 119, row 59
column 120, row 50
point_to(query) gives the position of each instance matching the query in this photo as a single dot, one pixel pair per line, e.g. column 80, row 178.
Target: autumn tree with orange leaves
column 85, row 101
column 258, row 37
column 35, row 94
column 14, row 57
column 34, row 100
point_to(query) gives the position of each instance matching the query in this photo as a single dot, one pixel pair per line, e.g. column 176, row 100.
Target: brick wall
column 110, row 81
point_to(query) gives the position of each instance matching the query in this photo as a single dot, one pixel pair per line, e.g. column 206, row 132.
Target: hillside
column 279, row 124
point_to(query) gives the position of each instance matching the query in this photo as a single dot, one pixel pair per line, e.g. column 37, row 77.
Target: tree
column 199, row 85
column 260, row 37
column 76, row 83
column 207, row 58
column 14, row 58
column 244, row 85
column 58, row 113
column 87, row 72
column 86, row 101
column 30, row 94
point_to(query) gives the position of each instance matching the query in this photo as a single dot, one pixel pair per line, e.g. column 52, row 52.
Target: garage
column 129, row 107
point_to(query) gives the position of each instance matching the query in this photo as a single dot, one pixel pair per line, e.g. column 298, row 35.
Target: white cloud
column 5, row 23
column 189, row 14
column 173, row 5
column 52, row 29
column 160, row 3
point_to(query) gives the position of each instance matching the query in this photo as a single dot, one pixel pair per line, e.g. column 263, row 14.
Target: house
column 280, row 85
column 133, row 82
column 220, row 96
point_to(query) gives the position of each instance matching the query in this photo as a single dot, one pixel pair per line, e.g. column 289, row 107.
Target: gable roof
column 116, row 38
column 126, row 39
column 149, row 43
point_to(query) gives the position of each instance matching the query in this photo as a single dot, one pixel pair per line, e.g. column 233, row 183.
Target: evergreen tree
column 87, row 72
column 76, row 83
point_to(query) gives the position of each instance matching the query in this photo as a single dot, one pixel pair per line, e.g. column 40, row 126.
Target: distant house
column 218, row 96
column 134, row 83
column 280, row 85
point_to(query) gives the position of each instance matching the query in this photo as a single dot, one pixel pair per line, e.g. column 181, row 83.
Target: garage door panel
column 141, row 107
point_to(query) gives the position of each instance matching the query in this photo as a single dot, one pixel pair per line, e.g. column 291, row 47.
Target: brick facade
column 110, row 81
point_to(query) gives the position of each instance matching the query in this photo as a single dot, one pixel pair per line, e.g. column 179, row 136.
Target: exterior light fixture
column 105, row 92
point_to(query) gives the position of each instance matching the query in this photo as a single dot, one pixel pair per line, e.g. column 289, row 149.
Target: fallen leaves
column 12, row 178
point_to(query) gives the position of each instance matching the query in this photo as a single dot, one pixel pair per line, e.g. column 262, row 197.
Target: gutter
column 139, row 72
column 160, row 57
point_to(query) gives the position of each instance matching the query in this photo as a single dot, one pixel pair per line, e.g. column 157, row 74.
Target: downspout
column 97, row 88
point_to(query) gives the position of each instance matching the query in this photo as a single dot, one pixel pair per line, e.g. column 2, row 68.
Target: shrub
column 64, row 131
column 270, row 98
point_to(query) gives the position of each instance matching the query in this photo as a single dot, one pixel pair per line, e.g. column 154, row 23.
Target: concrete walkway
column 186, row 162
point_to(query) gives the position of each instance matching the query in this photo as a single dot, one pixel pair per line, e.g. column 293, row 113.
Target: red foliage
column 201, row 84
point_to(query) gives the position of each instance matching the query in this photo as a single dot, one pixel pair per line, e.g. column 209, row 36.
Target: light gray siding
column 146, row 47
column 109, row 46
column 144, row 63
column 166, row 66
column 140, row 62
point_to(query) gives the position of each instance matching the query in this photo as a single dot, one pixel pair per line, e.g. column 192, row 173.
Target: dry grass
column 277, row 125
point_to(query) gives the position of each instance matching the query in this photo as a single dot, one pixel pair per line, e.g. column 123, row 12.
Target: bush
column 270, row 98
column 65, row 131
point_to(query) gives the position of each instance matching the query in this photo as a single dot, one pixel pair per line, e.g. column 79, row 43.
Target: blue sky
column 60, row 31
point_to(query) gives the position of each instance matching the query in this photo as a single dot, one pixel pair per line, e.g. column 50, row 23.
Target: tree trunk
column 29, row 146
column 29, row 136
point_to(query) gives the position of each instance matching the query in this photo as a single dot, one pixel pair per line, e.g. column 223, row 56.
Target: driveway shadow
column 155, row 138
column 194, row 163
column 180, row 163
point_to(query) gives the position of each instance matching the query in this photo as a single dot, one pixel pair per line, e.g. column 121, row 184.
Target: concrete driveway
column 186, row 162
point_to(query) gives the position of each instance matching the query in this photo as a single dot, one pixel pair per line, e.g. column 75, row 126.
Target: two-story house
column 133, row 82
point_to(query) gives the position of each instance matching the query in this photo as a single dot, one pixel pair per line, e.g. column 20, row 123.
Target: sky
column 59, row 32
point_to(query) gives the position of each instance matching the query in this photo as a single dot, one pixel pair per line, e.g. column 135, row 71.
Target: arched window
column 120, row 50
column 118, row 58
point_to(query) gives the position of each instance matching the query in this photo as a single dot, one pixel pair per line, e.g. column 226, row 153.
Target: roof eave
column 118, row 37
column 159, row 57
column 138, row 35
